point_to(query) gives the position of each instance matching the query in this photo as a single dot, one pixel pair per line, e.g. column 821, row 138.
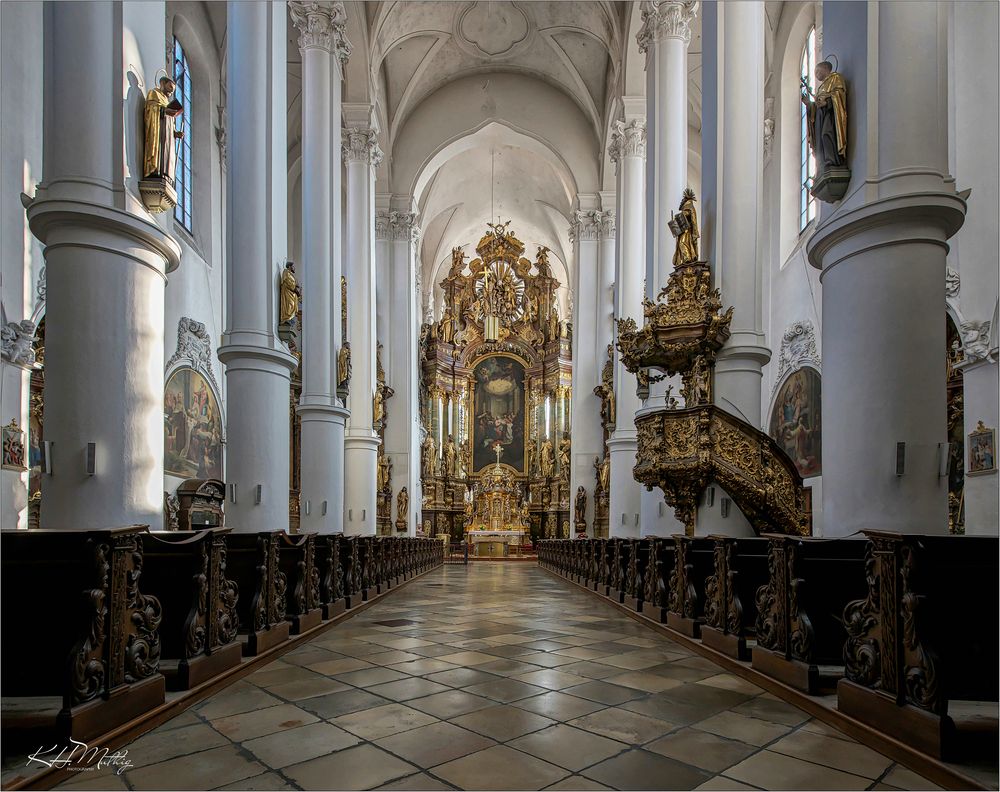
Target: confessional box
column 201, row 504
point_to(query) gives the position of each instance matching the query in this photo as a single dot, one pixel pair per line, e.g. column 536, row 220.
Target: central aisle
column 496, row 676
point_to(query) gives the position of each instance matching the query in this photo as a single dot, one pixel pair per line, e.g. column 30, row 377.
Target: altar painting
column 795, row 420
column 499, row 413
column 192, row 427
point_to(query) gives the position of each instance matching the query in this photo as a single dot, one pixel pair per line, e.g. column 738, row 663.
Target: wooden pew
column 254, row 563
column 187, row 571
column 923, row 637
column 658, row 568
column 635, row 589
column 363, row 570
column 739, row 570
column 297, row 562
column 331, row 575
column 80, row 632
column 350, row 568
column 799, row 633
column 693, row 562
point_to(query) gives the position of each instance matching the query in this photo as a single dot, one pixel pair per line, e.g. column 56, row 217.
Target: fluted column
column 106, row 274
column 737, row 52
column 362, row 155
column 399, row 293
column 258, row 365
column 586, row 433
column 882, row 252
column 628, row 151
column 321, row 32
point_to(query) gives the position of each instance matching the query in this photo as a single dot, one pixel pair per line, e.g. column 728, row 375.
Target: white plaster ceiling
column 419, row 46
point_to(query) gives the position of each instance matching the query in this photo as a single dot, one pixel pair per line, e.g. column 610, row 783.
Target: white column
column 605, row 304
column 737, row 265
column 399, row 293
column 664, row 37
column 258, row 365
column 882, row 252
column 362, row 155
column 106, row 273
column 321, row 31
column 628, row 150
column 585, row 422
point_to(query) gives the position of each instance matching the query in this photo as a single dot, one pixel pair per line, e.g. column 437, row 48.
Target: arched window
column 807, row 166
column 182, row 79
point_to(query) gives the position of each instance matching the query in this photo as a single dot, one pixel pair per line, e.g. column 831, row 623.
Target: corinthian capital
column 361, row 145
column 321, row 25
column 628, row 140
column 662, row 19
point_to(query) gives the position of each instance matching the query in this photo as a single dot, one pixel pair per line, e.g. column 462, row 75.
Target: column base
column 360, row 471
column 626, row 492
column 321, row 497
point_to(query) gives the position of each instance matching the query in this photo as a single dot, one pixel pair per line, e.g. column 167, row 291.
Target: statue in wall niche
column 531, row 455
column 289, row 293
column 602, row 469
column 344, row 367
column 159, row 150
column 684, row 226
column 378, row 406
column 547, row 459
column 826, row 114
column 402, row 508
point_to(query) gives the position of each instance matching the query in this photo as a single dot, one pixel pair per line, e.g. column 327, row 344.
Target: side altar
column 495, row 399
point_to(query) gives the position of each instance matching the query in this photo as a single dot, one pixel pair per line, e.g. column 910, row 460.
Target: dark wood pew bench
column 254, row 562
column 921, row 652
column 740, row 569
column 80, row 633
column 658, row 569
column 693, row 563
column 187, row 571
column 799, row 633
column 331, row 575
column 635, row 589
column 350, row 566
column 297, row 562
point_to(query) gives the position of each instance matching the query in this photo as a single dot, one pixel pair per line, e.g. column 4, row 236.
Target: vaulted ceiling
column 418, row 47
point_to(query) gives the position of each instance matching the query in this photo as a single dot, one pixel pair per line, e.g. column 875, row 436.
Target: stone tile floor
column 496, row 677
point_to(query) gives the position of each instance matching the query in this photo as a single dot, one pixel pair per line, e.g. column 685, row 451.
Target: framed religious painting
column 982, row 450
column 796, row 420
column 498, row 420
column 192, row 427
column 13, row 447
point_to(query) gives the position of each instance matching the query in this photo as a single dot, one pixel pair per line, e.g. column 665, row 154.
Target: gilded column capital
column 321, row 25
column 628, row 140
column 361, row 145
column 663, row 19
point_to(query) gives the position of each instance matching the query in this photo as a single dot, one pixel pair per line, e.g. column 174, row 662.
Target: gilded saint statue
column 384, row 472
column 429, row 456
column 159, row 149
column 684, row 226
column 289, row 293
column 531, row 456
column 564, row 452
column 547, row 459
column 402, row 508
column 378, row 406
column 826, row 116
column 344, row 366
column 450, row 456
column 602, row 471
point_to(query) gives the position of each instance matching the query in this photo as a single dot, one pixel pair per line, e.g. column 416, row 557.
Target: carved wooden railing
column 200, row 621
column 923, row 635
column 100, row 651
column 739, row 570
column 681, row 451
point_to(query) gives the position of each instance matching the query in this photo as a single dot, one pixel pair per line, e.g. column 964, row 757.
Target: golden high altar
column 495, row 398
